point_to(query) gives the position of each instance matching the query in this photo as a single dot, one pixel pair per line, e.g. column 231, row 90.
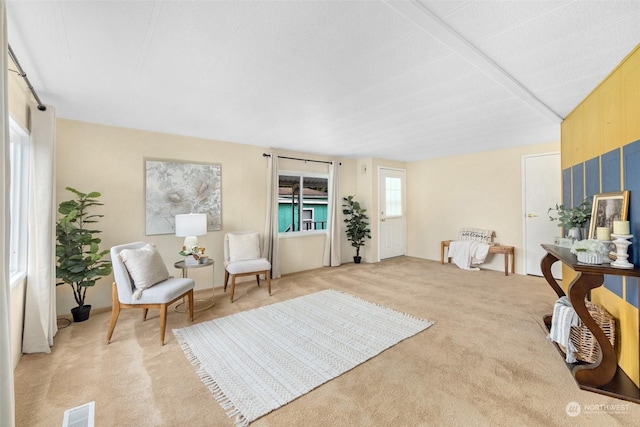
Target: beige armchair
column 142, row 281
column 242, row 257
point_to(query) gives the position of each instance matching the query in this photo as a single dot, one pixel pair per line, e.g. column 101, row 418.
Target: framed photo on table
column 608, row 207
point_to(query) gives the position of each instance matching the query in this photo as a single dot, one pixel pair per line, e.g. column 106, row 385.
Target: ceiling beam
column 427, row 21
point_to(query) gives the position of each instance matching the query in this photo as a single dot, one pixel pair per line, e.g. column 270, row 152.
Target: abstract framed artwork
column 175, row 187
column 606, row 208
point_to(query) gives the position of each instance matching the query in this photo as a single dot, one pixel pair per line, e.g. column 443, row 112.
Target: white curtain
column 7, row 416
column 40, row 301
column 332, row 255
column 270, row 244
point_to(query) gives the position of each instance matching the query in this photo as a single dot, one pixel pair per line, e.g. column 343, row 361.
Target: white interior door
column 542, row 189
column 393, row 235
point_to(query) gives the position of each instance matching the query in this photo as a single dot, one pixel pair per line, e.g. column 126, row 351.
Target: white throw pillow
column 145, row 266
column 243, row 247
column 477, row 234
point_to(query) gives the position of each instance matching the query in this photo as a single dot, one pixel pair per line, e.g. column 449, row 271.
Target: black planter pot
column 357, row 259
column 81, row 313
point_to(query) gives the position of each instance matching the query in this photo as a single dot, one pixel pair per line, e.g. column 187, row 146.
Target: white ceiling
column 399, row 80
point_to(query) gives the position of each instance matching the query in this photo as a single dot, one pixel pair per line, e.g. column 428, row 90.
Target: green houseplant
column 357, row 225
column 80, row 262
column 572, row 219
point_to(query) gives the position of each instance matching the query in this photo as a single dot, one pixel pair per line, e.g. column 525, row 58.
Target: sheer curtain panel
column 270, row 244
column 40, row 301
column 7, row 414
column 332, row 255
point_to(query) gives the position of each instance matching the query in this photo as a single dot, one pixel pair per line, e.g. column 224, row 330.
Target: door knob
column 530, row 215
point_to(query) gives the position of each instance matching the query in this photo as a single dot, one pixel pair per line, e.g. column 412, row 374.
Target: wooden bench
column 493, row 249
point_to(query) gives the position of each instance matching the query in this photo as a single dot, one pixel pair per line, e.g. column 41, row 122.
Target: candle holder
column 622, row 245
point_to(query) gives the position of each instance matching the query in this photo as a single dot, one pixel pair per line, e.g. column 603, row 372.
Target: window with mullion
column 302, row 202
column 18, row 201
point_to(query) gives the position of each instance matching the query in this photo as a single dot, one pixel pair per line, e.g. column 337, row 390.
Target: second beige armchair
column 242, row 257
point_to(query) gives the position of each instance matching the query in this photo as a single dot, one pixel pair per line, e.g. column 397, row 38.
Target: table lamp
column 190, row 226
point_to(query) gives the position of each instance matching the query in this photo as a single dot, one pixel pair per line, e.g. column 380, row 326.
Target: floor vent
column 80, row 416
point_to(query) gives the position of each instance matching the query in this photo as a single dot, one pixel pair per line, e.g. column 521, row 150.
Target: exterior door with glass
column 393, row 236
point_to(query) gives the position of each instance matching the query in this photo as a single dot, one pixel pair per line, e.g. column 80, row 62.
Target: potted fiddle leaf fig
column 79, row 257
column 357, row 225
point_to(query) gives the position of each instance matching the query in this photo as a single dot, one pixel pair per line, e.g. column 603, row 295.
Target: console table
column 493, row 249
column 604, row 376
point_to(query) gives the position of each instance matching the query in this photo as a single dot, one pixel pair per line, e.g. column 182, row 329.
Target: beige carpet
column 486, row 361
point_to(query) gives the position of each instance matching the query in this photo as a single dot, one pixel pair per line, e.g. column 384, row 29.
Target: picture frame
column 175, row 187
column 606, row 208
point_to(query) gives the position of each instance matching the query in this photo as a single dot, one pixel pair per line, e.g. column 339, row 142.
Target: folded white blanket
column 466, row 252
column 564, row 317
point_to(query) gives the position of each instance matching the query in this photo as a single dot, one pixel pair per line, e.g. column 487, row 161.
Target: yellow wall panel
column 579, row 136
column 630, row 75
column 568, row 276
column 566, row 144
column 593, row 125
column 627, row 339
column 612, row 118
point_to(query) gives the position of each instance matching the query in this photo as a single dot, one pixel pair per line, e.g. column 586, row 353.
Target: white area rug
column 259, row 360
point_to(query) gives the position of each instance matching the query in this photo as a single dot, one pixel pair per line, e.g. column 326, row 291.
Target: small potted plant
column 193, row 255
column 357, row 225
column 572, row 219
column 80, row 262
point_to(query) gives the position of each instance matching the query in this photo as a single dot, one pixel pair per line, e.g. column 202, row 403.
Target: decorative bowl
column 589, row 258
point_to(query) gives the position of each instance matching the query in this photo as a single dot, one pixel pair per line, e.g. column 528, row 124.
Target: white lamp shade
column 188, row 225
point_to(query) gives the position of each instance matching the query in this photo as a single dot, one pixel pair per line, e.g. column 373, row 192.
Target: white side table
column 209, row 302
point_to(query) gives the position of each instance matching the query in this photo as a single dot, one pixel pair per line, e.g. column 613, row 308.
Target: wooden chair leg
column 163, row 320
column 190, row 297
column 226, row 279
column 258, row 279
column 233, row 285
column 268, row 275
column 144, row 314
column 115, row 312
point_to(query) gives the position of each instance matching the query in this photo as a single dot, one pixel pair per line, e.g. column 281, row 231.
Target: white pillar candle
column 603, row 233
column 621, row 227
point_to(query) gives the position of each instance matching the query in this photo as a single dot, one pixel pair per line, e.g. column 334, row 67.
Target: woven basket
column 587, row 347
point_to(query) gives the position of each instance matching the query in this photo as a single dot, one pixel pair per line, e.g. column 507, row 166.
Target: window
column 393, row 196
column 302, row 202
column 18, row 201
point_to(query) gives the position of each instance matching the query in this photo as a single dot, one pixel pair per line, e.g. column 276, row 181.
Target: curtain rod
column 22, row 74
column 302, row 160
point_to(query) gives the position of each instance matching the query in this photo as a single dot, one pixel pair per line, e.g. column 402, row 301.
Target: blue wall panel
column 632, row 291
column 631, row 158
column 577, row 173
column 592, row 177
column 614, row 284
column 566, row 187
column 611, row 171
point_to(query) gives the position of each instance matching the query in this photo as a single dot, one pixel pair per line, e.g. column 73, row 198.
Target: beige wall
column 110, row 160
column 482, row 190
